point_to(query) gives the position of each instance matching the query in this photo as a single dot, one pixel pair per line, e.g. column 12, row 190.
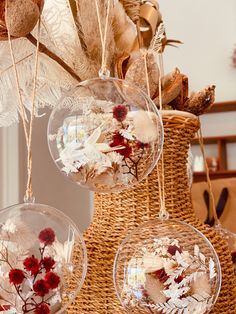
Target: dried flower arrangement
column 169, row 279
column 70, row 49
column 102, row 144
column 31, row 280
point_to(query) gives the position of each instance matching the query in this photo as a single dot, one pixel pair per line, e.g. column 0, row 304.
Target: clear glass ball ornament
column 167, row 267
column 43, row 260
column 105, row 134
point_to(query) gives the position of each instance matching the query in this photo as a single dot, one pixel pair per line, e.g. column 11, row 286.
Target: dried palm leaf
column 136, row 73
column 52, row 79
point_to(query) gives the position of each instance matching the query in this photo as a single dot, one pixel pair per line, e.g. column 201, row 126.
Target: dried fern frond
column 132, row 9
column 157, row 41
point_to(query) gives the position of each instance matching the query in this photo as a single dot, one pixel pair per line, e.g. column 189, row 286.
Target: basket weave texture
column 118, row 214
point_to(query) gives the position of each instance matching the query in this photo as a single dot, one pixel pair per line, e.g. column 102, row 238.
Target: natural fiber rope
column 103, row 36
column 212, row 203
column 28, row 133
column 161, row 177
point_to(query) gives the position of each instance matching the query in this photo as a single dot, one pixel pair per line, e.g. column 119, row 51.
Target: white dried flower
column 145, row 127
column 9, row 226
column 115, row 158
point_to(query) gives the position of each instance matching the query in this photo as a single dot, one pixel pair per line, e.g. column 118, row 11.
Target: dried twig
column 52, row 55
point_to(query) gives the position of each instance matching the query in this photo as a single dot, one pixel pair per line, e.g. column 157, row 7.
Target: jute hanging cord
column 212, row 199
column 27, row 125
column 104, row 70
column 160, row 172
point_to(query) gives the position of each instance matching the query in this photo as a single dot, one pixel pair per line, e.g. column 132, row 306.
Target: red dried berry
column 52, row 280
column 40, row 288
column 120, row 112
column 42, row 309
column 172, row 249
column 47, row 236
column 32, row 264
column 47, row 263
column 161, row 275
column 16, row 276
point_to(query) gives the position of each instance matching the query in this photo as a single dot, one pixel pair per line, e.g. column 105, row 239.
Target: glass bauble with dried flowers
column 106, row 134
column 42, row 260
column 167, row 266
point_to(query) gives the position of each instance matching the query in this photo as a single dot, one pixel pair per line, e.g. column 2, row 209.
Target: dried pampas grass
column 89, row 28
column 124, row 31
column 154, row 289
column 144, row 120
column 202, row 285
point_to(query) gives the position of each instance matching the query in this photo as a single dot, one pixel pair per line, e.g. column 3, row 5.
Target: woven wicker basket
column 118, row 214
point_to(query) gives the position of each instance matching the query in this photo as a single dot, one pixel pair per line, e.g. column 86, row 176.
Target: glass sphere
column 167, row 267
column 105, row 134
column 43, row 260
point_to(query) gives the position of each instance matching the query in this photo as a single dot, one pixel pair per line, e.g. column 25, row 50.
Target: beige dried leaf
column 136, row 72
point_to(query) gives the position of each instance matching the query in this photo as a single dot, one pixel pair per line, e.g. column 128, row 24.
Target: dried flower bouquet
column 31, row 280
column 166, row 278
column 106, row 147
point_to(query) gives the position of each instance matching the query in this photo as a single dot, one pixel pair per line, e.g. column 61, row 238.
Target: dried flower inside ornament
column 36, row 263
column 167, row 267
column 105, row 135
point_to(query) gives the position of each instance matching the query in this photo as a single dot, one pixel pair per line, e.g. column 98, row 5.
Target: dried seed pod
column 200, row 102
column 22, row 16
column 136, row 72
column 171, row 87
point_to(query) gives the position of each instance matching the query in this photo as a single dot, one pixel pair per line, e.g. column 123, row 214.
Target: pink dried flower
column 120, row 112
column 47, row 236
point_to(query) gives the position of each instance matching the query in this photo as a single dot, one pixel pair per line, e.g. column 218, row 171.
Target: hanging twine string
column 103, row 36
column 163, row 214
column 212, row 199
column 27, row 132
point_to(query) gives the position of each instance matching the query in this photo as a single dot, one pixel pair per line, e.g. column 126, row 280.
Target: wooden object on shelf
column 225, row 106
column 222, row 172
